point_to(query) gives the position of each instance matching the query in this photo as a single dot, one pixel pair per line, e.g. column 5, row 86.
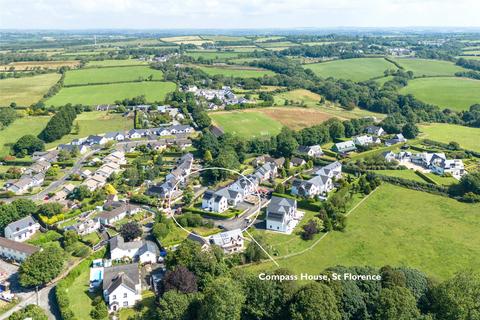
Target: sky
column 235, row 14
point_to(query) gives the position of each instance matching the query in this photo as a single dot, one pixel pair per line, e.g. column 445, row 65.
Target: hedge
column 425, row 177
column 210, row 214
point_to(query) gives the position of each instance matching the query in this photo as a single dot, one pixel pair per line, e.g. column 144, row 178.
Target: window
column 125, row 303
column 114, row 297
column 125, row 295
column 278, row 227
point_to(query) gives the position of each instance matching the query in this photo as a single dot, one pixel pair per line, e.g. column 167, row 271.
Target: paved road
column 241, row 222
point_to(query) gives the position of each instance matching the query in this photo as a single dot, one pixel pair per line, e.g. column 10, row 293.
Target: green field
column 381, row 81
column 405, row 174
column 445, row 181
column 237, row 71
column 114, row 63
column 446, row 92
column 246, row 124
column 19, row 128
column 212, row 54
column 398, row 227
column 427, row 67
column 96, row 122
column 27, row 90
column 467, row 137
column 79, row 297
column 360, row 69
column 109, row 75
column 108, row 93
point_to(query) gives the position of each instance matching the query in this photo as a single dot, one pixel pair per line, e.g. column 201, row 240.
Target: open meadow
column 236, row 71
column 360, row 69
column 467, row 137
column 212, row 54
column 398, row 227
column 109, row 93
column 446, row 92
column 246, row 124
column 19, row 128
column 115, row 63
column 27, row 90
column 110, row 75
column 427, row 67
column 30, row 65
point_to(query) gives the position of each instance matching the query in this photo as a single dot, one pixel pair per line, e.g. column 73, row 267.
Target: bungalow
column 164, row 132
column 365, row 140
column 281, row 214
column 134, row 134
column 230, row 241
column 180, row 128
column 314, row 151
column 91, row 140
column 21, row 230
column 297, row 162
column 143, row 251
column 25, row 183
column 377, row 131
column 389, row 156
column 85, row 227
column 344, row 147
column 117, row 214
column 214, row 202
column 398, row 138
column 38, row 167
column 122, row 287
column 217, row 131
column 49, row 156
column 455, row 167
column 73, row 148
column 17, row 251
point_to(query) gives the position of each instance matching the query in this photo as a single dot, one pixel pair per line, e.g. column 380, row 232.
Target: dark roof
column 21, row 224
column 114, row 276
column 216, row 131
column 18, row 246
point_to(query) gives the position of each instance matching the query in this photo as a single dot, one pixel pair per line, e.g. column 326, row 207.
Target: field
column 114, row 63
column 212, row 54
column 467, row 137
column 405, row 174
column 246, row 124
column 80, row 300
column 30, row 65
column 386, row 229
column 19, row 128
column 354, row 69
column 96, row 122
column 109, row 75
column 309, row 98
column 237, row 71
column 426, row 67
column 27, row 90
column 108, row 93
column 296, row 118
column 454, row 93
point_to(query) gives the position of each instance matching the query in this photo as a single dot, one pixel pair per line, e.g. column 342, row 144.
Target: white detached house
column 121, row 286
column 21, row 230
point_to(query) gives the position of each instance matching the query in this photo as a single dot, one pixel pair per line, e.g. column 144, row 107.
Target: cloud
column 170, row 14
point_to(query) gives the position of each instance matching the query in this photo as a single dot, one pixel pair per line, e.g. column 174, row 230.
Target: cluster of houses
column 370, row 138
column 12, row 246
column 111, row 164
column 180, row 141
column 225, row 95
column 34, row 175
column 171, row 187
column 320, row 184
column 435, row 162
column 240, row 190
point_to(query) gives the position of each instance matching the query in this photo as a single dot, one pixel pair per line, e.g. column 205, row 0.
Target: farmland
column 296, row 118
column 212, row 54
column 114, row 63
column 298, row 96
column 446, row 92
column 246, row 124
column 236, row 71
column 426, row 67
column 380, row 231
column 404, row 174
column 360, row 69
column 27, row 90
column 30, row 65
column 19, row 128
column 109, row 75
column 109, row 93
column 467, row 137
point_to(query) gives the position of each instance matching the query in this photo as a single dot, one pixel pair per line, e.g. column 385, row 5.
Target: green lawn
column 26, row 90
column 360, row 69
column 109, row 75
column 446, row 92
column 212, row 54
column 79, row 297
column 237, row 71
column 113, row 63
column 19, row 128
column 405, row 174
column 298, row 96
column 428, row 67
column 445, row 181
column 381, row 81
column 399, row 227
column 95, row 122
column 246, row 124
column 108, row 93
column 467, row 137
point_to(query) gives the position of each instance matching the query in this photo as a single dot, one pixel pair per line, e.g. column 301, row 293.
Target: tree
column 176, row 306
column 396, row 303
column 310, row 299
column 336, row 130
column 457, row 298
column 188, row 196
column 253, row 252
column 130, row 231
column 286, row 143
column 410, row 131
column 28, row 144
column 392, row 277
column 100, row 309
column 280, row 188
column 7, row 116
column 207, row 157
column 41, row 267
column 31, row 311
column 50, row 209
column 311, row 228
column 223, row 300
column 180, row 279
column 24, row 207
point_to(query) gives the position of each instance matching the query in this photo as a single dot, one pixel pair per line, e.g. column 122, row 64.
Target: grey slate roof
column 21, row 224
column 278, row 207
column 114, row 276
